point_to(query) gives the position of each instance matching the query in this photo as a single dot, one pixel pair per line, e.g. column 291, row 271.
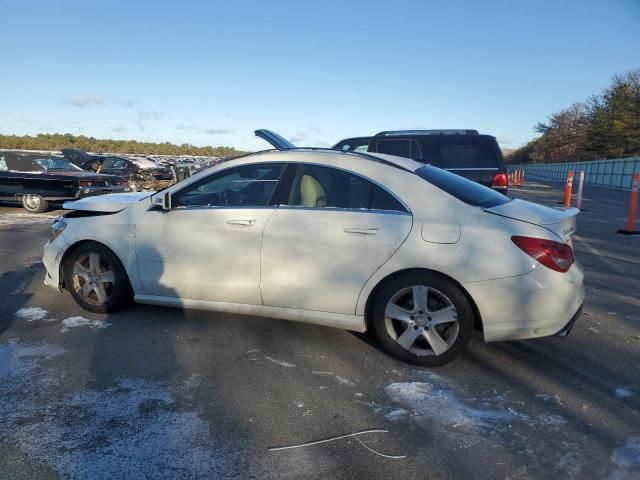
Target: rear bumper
column 569, row 326
column 539, row 304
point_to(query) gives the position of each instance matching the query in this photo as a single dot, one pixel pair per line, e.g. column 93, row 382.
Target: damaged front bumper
column 52, row 254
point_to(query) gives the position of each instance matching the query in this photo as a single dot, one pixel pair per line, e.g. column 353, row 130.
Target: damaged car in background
column 36, row 180
column 141, row 173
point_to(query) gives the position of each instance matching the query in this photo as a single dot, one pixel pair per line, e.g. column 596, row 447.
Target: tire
column 34, row 203
column 96, row 279
column 442, row 312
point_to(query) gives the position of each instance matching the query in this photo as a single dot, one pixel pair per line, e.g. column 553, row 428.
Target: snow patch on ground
column 79, row 321
column 17, row 359
column 627, row 460
column 396, row 414
column 135, row 429
column 32, row 313
column 282, row 363
column 622, row 392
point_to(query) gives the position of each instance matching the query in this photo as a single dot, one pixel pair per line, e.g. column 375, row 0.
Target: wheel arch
column 477, row 320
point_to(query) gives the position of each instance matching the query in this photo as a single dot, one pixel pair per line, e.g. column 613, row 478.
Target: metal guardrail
column 610, row 173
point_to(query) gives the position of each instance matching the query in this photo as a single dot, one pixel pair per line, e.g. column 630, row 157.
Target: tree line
column 606, row 125
column 57, row 141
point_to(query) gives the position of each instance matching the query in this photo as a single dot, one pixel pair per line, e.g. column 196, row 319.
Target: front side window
column 324, row 187
column 245, row 186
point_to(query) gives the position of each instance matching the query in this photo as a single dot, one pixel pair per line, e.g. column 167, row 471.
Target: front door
column 207, row 247
column 336, row 231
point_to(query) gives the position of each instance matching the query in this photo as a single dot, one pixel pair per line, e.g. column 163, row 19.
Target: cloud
column 299, row 137
column 91, row 101
column 123, row 102
column 84, row 101
column 315, row 130
column 182, row 126
column 120, row 129
column 144, row 115
column 217, row 131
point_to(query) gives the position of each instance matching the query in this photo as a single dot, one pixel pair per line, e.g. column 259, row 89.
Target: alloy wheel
column 93, row 278
column 422, row 320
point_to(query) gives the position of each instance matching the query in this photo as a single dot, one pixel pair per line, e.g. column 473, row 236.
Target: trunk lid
column 561, row 221
column 110, row 203
column 274, row 139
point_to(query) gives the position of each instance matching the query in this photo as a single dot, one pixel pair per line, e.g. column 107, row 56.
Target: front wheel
column 423, row 318
column 96, row 279
column 34, row 203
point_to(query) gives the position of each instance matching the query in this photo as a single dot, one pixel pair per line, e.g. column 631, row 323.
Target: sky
column 211, row 72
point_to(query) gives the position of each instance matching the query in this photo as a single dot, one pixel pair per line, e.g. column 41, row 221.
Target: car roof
column 449, row 131
column 398, row 162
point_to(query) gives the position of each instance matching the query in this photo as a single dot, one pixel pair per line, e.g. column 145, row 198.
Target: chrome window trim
column 339, row 209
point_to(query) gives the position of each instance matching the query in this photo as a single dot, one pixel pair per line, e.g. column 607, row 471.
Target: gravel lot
column 161, row 393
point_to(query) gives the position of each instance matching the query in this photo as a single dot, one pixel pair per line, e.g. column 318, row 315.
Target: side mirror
column 163, row 199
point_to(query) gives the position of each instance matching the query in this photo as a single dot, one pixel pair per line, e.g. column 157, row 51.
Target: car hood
column 561, row 221
column 110, row 203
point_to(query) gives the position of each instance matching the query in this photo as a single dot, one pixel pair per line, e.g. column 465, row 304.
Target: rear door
column 336, row 229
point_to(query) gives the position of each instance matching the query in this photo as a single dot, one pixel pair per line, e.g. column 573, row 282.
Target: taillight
column 85, row 183
column 500, row 180
column 557, row 256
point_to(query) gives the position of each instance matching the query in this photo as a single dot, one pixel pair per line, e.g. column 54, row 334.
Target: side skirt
column 355, row 323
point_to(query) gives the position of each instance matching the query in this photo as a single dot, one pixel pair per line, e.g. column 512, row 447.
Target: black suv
column 465, row 152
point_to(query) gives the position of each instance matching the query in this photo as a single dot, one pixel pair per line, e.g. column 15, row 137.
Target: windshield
column 55, row 164
column 463, row 189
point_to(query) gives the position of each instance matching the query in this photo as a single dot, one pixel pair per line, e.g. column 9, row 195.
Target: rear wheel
column 423, row 318
column 96, row 279
column 34, row 203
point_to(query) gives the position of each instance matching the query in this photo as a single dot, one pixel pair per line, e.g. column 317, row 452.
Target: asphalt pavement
column 162, row 393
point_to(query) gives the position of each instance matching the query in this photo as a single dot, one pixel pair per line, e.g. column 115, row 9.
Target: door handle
column 245, row 222
column 362, row 231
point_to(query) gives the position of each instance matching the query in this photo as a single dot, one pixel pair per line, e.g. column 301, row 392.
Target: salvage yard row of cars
column 353, row 239
column 37, row 180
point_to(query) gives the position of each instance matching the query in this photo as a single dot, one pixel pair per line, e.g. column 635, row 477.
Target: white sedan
column 343, row 239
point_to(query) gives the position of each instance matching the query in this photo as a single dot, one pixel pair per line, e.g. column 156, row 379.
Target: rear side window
column 407, row 148
column 466, row 151
column 469, row 192
column 325, row 187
